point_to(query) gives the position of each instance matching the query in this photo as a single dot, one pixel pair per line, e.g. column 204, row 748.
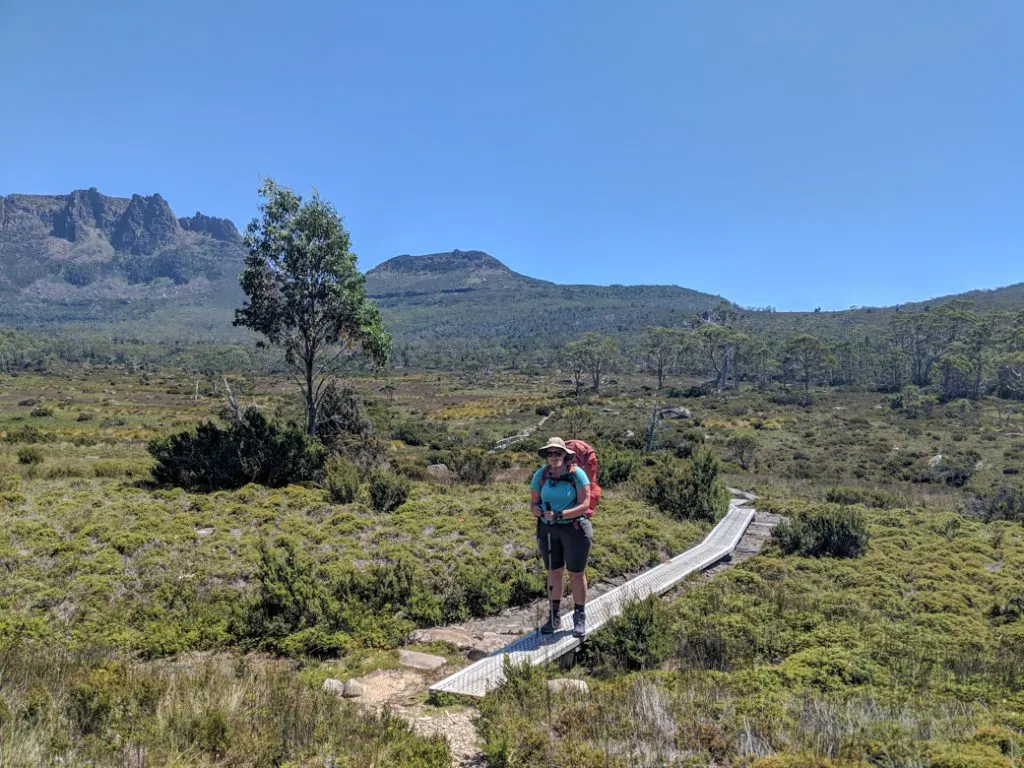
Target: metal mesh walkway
column 481, row 676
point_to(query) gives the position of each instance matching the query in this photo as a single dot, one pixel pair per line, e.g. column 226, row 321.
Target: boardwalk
column 481, row 676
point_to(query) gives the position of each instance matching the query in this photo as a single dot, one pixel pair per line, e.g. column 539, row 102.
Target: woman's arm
column 582, row 503
column 535, row 506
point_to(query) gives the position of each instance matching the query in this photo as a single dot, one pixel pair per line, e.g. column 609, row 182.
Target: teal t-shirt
column 560, row 495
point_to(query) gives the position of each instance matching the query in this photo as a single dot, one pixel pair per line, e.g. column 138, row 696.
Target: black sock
column 556, row 607
column 580, row 609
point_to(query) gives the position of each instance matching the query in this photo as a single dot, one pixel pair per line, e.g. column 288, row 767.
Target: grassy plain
column 121, row 602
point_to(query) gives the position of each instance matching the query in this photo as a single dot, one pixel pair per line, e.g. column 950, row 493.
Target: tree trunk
column 310, row 398
column 723, row 378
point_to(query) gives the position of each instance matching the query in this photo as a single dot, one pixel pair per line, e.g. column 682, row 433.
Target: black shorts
column 570, row 544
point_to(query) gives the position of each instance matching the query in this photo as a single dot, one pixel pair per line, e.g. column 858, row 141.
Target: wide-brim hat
column 556, row 442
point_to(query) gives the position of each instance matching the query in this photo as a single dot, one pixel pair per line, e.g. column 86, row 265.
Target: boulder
column 353, row 689
column 459, row 640
column 676, row 413
column 440, row 472
column 935, row 460
column 478, row 652
column 204, row 532
column 423, row 661
column 333, row 686
column 565, row 685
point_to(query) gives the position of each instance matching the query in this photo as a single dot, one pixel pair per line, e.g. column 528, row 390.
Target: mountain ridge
column 89, row 258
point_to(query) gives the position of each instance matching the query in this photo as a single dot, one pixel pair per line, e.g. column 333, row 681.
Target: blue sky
column 796, row 153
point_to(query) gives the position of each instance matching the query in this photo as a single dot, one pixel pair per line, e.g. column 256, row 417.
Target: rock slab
column 565, row 685
column 333, row 686
column 423, row 661
column 458, row 639
column 353, row 689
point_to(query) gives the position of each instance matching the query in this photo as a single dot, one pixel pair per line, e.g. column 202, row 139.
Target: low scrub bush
column 41, row 412
column 473, row 465
column 29, row 435
column 639, row 638
column 1005, row 502
column 869, row 497
column 692, row 490
column 827, row 531
column 30, row 455
column 85, row 416
column 388, row 491
column 250, row 450
column 615, row 466
column 743, row 447
column 341, row 480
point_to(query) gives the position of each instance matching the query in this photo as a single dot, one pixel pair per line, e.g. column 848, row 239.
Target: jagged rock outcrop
column 147, row 225
column 219, row 229
column 85, row 255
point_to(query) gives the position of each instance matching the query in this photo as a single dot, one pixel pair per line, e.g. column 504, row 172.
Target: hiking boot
column 579, row 624
column 551, row 625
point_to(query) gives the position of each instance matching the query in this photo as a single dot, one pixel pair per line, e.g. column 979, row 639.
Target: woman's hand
column 537, row 511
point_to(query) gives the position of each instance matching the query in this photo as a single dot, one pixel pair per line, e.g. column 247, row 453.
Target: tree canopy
column 305, row 292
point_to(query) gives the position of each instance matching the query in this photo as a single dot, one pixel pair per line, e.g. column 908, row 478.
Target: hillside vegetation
column 906, row 653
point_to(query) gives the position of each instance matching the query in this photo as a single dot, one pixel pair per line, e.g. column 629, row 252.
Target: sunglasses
column 555, row 452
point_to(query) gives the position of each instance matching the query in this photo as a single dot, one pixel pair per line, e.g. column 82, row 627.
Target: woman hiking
column 559, row 499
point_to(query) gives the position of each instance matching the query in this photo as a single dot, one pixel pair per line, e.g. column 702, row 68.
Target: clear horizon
column 796, row 155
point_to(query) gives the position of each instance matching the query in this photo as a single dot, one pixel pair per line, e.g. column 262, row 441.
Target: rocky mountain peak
column 448, row 261
column 146, row 224
column 218, row 229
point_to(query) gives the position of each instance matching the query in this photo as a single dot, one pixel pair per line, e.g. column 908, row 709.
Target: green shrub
column 250, row 450
column 342, row 423
column 30, row 455
column 290, row 596
column 485, row 592
column 85, row 416
column 743, row 446
column 692, row 490
column 41, row 412
column 825, row 531
column 341, row 479
column 112, row 469
column 640, row 638
column 615, row 466
column 1005, row 502
column 416, row 433
column 869, row 497
column 473, row 465
column 28, row 435
column 388, row 491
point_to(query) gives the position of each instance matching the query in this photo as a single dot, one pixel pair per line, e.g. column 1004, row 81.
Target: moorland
column 192, row 544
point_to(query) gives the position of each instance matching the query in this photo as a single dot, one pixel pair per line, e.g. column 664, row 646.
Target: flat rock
column 458, row 639
column 565, row 685
column 333, row 686
column 204, row 532
column 423, row 661
column 676, row 413
column 353, row 689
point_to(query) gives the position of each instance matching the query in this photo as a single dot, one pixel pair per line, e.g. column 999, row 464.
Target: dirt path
column 403, row 689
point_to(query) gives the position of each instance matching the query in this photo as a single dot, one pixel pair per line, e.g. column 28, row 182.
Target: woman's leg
column 556, row 585
column 577, row 550
column 578, row 582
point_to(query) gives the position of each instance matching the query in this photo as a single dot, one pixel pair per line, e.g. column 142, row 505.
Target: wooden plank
column 483, row 675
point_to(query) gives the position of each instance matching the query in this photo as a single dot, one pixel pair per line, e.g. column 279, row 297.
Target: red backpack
column 586, row 459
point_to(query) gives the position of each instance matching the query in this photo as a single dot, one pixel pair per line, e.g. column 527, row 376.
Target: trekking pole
column 551, row 611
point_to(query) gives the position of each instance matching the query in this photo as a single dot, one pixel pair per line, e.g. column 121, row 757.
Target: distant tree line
column 953, row 351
